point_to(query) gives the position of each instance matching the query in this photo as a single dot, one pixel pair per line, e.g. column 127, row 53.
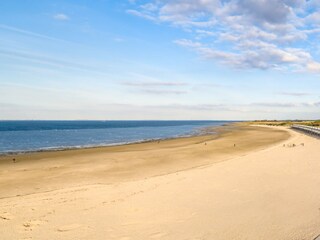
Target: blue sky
column 191, row 59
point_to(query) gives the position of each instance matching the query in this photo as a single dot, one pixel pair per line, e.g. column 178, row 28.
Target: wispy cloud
column 286, row 104
column 50, row 61
column 228, row 107
column 170, row 111
column 163, row 91
column 29, row 33
column 294, row 94
column 141, row 14
column 153, row 83
column 151, row 86
column 275, row 104
column 247, row 34
column 61, row 17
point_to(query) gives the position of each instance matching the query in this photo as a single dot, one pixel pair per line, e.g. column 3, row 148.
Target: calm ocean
column 22, row 136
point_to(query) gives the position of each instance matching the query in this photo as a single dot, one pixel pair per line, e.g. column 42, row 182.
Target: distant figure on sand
column 13, row 160
column 234, row 145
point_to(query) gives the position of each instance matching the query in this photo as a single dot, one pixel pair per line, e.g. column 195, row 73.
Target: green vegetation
column 314, row 123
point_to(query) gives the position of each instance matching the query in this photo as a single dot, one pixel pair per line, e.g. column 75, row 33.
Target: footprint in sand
column 31, row 224
column 6, row 216
column 70, row 227
column 317, row 238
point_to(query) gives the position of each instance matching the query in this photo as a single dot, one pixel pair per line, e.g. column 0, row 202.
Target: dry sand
column 192, row 188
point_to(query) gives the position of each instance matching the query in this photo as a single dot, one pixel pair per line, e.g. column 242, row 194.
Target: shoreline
column 207, row 132
column 202, row 131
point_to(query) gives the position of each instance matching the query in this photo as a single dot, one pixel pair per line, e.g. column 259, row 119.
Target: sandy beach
column 247, row 183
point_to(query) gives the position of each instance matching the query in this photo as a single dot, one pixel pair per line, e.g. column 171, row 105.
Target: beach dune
column 249, row 183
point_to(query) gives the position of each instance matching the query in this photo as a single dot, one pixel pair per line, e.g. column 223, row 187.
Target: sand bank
column 193, row 188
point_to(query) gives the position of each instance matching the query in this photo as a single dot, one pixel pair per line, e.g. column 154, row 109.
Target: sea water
column 24, row 136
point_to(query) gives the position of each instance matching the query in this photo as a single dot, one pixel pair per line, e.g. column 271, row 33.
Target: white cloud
column 61, row 17
column 314, row 67
column 263, row 34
